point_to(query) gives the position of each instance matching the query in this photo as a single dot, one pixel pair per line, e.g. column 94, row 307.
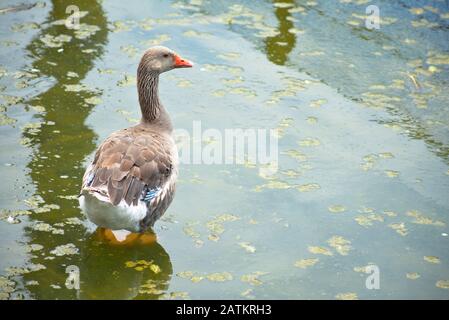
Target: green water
column 363, row 166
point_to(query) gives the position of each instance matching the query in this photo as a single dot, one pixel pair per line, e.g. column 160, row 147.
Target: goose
column 131, row 180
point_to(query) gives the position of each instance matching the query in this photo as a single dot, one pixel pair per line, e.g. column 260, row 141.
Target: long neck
column 147, row 87
column 153, row 112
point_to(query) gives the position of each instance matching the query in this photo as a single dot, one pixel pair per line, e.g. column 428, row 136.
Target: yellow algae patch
column 312, row 120
column 253, row 278
column 399, row 228
column 247, row 294
column 416, row 11
column 386, row 155
column 283, row 5
column 443, row 284
column 340, row 244
column 337, row 208
column 413, row 275
column 432, row 259
column 93, row 100
column 120, row 26
column 354, row 23
column 309, row 142
column 273, row 184
column 127, row 81
column 389, row 213
column 156, row 41
column 232, row 80
column 248, row 247
column 215, row 226
column 55, row 41
column 367, row 220
column 190, row 231
column 296, row 31
column 291, row 173
column 140, row 265
column 130, row 50
column 423, row 23
column 364, row 269
column 308, row 187
column 213, row 237
column 219, row 277
column 391, row 173
column 296, row 9
column 155, row 268
column 295, row 154
column 368, row 162
column 422, row 219
column 305, row 263
column 185, row 274
column 75, row 87
column 283, row 124
column 317, row 103
column 347, row 296
column 219, row 93
column 196, row 279
column 244, row 91
column 320, row 250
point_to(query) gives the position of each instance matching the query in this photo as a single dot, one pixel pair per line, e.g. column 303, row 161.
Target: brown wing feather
column 128, row 161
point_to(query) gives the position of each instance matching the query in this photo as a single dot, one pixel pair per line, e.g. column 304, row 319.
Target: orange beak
column 182, row 63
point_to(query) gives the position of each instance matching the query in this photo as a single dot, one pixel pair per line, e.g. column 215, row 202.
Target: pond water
column 363, row 126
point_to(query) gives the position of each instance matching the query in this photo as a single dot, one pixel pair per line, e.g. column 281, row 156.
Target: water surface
column 363, row 140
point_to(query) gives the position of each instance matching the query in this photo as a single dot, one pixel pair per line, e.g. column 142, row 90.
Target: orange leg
column 131, row 239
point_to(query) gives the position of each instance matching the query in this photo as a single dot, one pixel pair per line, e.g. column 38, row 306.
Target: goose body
column 131, row 181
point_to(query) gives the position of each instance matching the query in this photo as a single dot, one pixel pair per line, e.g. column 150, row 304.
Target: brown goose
column 131, row 181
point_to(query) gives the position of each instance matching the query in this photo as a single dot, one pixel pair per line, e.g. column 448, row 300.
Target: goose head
column 160, row 59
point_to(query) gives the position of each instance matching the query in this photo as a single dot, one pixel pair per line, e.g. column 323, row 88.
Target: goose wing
column 129, row 165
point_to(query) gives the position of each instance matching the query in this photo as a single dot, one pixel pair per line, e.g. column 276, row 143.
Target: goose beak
column 182, row 63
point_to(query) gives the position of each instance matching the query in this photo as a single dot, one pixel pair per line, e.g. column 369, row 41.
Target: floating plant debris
column 248, row 247
column 340, row 244
column 337, row 208
column 320, row 250
column 45, row 227
column 308, row 187
column 443, row 284
column 413, row 275
column 219, row 277
column 65, row 250
column 432, row 259
column 347, row 296
column 305, row 263
column 253, row 278
column 420, row 218
column 141, row 265
column 399, row 228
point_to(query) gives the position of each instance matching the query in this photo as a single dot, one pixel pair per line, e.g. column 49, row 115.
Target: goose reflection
column 133, row 268
column 279, row 46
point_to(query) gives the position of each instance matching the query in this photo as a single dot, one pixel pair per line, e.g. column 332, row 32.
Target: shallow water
column 363, row 164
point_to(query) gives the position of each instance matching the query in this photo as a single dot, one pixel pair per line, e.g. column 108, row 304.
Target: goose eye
column 165, row 55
